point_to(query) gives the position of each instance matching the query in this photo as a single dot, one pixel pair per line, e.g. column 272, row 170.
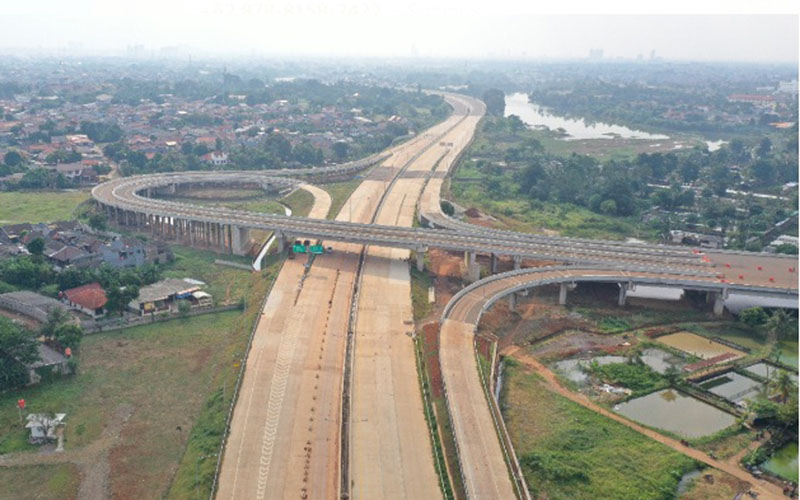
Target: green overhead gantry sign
column 317, row 249
column 298, row 248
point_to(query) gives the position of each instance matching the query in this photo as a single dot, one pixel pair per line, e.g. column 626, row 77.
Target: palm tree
column 784, row 384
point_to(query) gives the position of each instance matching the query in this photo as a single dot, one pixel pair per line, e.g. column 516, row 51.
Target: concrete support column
column 719, row 301
column 493, row 263
column 512, row 301
column 280, row 240
column 562, row 294
column 240, row 237
column 421, row 259
column 623, row 294
column 517, row 262
column 473, row 269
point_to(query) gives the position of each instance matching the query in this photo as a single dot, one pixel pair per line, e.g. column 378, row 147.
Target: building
column 696, row 239
column 163, row 296
column 30, row 304
column 89, row 299
column 43, row 427
column 131, row 252
column 50, row 361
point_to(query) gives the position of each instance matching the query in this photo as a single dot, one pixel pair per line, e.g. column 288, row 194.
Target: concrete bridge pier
column 512, row 301
column 493, row 263
column 623, row 293
column 562, row 292
column 281, row 241
column 719, row 300
column 562, row 295
column 240, row 237
column 517, row 262
column 421, row 258
column 473, row 269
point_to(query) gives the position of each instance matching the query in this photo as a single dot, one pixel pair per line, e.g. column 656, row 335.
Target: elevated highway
column 130, row 201
column 483, row 447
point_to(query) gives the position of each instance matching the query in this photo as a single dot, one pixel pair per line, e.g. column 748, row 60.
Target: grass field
column 225, row 284
column 39, row 206
column 300, row 201
column 39, row 482
column 176, row 380
column 339, row 192
column 569, row 452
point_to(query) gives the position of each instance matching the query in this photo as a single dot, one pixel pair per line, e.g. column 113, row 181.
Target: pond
column 783, row 462
column 656, row 359
column 767, row 371
column 732, row 386
column 697, row 345
column 575, row 129
column 675, row 412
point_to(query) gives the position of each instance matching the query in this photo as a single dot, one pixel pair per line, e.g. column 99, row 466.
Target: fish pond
column 768, row 371
column 732, row 386
column 698, row 345
column 677, row 413
column 658, row 360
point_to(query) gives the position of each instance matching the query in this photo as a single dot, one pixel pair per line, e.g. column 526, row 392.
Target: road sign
column 299, row 248
column 317, row 249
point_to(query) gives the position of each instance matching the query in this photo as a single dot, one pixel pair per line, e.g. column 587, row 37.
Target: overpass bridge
column 126, row 202
column 484, row 448
column 131, row 202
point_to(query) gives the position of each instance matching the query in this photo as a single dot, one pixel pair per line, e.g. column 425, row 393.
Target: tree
column 753, row 316
column 120, row 296
column 36, row 246
column 764, row 148
column 12, row 158
column 97, row 221
column 784, row 384
column 608, row 207
column 515, row 124
column 340, row 149
column 57, row 318
column 184, row 308
column 495, row 100
column 780, row 325
column 69, row 335
column 17, row 347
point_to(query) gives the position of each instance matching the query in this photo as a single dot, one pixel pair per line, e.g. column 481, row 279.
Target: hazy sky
column 402, row 28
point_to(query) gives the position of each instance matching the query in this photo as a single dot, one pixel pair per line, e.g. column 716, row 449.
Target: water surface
column 575, row 129
column 675, row 412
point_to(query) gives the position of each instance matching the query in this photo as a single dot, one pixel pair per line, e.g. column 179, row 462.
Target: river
column 536, row 116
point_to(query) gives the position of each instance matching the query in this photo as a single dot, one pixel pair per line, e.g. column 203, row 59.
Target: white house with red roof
column 90, row 299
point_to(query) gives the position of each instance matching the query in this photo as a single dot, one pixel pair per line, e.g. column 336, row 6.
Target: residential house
column 90, row 299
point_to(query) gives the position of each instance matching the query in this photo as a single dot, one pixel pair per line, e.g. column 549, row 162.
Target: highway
column 285, row 432
column 391, row 455
column 287, row 436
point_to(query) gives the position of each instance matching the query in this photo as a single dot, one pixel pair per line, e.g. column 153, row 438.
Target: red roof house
column 90, row 299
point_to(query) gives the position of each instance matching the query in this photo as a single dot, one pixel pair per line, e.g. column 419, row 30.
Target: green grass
column 38, row 482
column 179, row 373
column 339, row 192
column 634, row 376
column 420, row 283
column 569, row 452
column 39, row 206
column 300, row 201
column 611, row 324
column 225, row 284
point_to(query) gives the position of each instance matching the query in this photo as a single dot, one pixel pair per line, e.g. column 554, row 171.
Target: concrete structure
column 290, row 390
column 481, row 454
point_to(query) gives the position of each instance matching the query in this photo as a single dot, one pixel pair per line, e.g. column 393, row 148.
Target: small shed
column 43, row 427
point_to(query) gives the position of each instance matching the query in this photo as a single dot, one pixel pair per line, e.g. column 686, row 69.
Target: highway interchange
column 329, row 405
